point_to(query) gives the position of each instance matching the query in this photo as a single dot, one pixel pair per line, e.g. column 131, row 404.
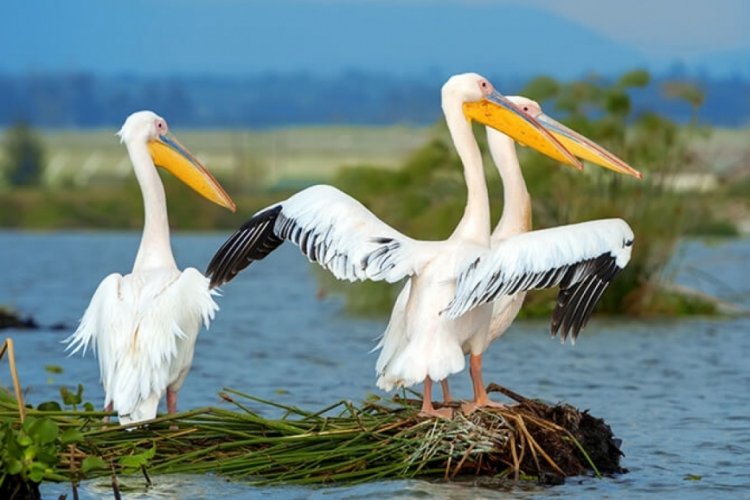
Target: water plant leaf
column 49, row 406
column 72, row 399
column 56, row 369
column 37, row 471
column 92, row 463
column 42, row 430
column 13, row 466
column 71, row 436
column 138, row 460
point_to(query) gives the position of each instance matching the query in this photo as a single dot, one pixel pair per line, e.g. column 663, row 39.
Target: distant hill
column 270, row 100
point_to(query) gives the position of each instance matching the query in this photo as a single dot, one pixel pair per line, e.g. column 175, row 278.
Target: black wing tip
column 234, row 255
column 576, row 301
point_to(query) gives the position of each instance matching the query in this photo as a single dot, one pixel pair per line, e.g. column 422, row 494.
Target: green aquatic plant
column 31, row 453
column 340, row 444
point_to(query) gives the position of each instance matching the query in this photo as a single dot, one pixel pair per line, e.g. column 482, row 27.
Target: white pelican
column 340, row 234
column 571, row 312
column 143, row 325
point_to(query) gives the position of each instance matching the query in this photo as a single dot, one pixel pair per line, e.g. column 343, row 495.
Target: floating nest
column 341, row 444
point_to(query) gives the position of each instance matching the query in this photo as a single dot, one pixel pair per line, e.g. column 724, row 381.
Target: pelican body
column 143, row 325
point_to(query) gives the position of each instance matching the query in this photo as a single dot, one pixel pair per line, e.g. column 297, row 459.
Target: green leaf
column 13, row 466
column 138, row 460
column 71, row 436
column 44, row 431
column 91, row 462
column 692, row 477
column 67, row 396
column 36, row 472
column 88, row 406
column 49, row 406
column 132, row 462
column 72, row 399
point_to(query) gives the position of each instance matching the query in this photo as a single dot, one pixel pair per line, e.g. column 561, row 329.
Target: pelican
column 143, row 325
column 339, row 233
column 571, row 313
column 336, row 231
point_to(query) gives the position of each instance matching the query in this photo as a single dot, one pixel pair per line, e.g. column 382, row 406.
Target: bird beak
column 498, row 112
column 168, row 153
column 585, row 148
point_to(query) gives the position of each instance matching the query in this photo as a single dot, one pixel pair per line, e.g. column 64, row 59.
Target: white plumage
column 540, row 259
column 143, row 325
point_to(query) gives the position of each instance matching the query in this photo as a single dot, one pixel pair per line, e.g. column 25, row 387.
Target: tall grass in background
column 425, row 199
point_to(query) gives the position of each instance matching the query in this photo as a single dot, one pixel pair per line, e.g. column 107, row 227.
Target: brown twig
column 493, row 387
column 8, row 345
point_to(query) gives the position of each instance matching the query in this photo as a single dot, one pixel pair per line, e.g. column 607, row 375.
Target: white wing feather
column 330, row 228
column 540, row 259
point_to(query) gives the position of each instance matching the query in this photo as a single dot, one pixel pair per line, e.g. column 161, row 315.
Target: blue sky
column 409, row 37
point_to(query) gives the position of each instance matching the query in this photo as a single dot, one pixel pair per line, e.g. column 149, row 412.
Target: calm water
column 676, row 392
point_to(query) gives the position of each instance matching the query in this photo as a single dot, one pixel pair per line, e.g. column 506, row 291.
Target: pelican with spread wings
column 441, row 309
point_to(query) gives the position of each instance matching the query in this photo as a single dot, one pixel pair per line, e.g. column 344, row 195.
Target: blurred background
column 274, row 96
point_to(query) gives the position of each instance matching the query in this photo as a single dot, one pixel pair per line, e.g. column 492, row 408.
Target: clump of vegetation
column 425, row 198
column 341, row 444
column 24, row 156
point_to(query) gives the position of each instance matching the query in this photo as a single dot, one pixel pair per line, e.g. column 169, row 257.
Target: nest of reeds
column 341, row 444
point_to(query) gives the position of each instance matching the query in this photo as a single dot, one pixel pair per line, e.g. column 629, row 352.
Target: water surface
column 677, row 392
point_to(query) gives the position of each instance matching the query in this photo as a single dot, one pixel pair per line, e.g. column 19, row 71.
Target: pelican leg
column 446, row 391
column 108, row 408
column 171, row 401
column 481, row 399
column 427, row 409
column 172, row 406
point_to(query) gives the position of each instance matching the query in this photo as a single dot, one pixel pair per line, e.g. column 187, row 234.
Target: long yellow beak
column 168, row 153
column 498, row 112
column 585, row 148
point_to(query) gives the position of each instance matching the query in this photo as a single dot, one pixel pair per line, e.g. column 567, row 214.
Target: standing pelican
column 340, row 234
column 143, row 325
column 571, row 313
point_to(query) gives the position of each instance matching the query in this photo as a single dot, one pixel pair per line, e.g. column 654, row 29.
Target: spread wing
column 581, row 258
column 330, row 228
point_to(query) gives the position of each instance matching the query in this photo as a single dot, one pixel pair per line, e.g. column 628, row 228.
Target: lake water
column 677, row 392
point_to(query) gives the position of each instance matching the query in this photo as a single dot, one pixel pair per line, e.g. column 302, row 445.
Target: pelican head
column 581, row 146
column 146, row 127
column 484, row 104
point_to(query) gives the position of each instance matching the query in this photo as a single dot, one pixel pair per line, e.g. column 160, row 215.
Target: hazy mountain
column 241, row 38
